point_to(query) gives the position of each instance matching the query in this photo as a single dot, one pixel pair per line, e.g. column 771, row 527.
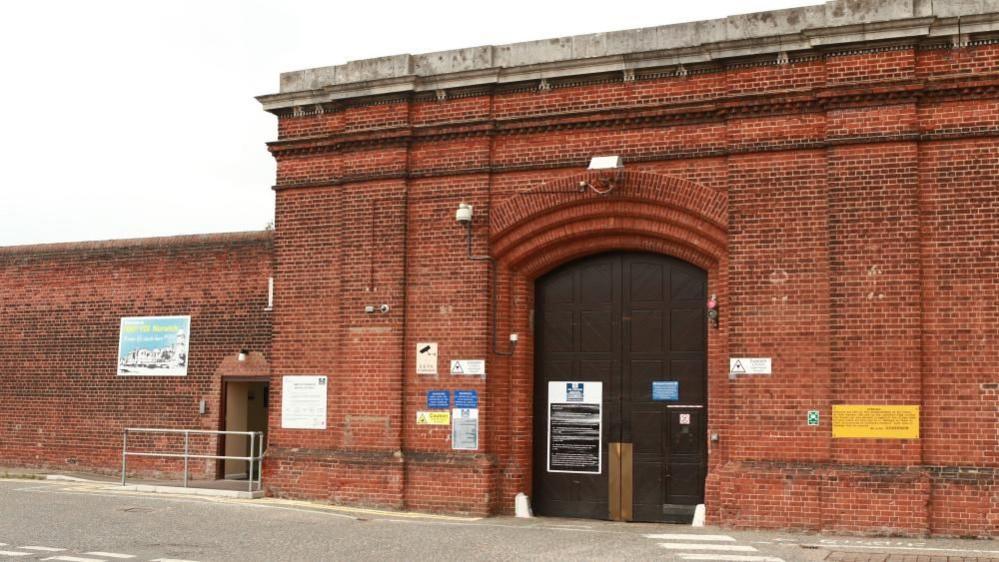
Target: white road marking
column 110, row 554
column 702, row 546
column 12, row 553
column 689, row 537
column 42, row 548
column 75, row 559
column 918, row 548
column 731, row 558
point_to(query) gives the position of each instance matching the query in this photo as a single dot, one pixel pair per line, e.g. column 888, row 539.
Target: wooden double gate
column 620, row 413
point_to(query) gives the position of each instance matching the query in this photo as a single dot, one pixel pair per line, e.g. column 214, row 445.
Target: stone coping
column 835, row 23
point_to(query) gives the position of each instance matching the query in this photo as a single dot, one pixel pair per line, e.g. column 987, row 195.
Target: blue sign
column 439, row 399
column 666, row 390
column 466, row 399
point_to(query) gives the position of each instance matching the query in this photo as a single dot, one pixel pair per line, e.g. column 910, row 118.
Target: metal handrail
column 256, row 443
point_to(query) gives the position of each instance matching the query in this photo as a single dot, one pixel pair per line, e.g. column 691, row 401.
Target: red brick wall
column 60, row 309
column 844, row 206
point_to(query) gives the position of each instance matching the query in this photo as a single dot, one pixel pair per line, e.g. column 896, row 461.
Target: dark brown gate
column 636, row 324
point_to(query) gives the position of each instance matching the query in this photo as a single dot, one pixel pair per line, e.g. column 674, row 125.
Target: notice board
column 575, row 427
column 875, row 422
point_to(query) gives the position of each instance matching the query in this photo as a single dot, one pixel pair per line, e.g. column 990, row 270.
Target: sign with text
column 875, row 422
column 439, row 399
column 466, row 399
column 465, row 429
column 475, row 367
column 433, row 418
column 749, row 366
column 154, row 346
column 575, row 426
column 666, row 390
column 303, row 402
column 426, row 358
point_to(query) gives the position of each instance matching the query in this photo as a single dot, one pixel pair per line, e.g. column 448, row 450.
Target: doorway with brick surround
column 632, row 325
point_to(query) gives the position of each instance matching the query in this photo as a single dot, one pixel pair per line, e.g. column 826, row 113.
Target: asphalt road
column 85, row 522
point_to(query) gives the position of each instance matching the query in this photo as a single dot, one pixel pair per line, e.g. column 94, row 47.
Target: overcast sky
column 137, row 118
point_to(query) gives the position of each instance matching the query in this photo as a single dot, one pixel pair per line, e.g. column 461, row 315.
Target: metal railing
column 256, row 444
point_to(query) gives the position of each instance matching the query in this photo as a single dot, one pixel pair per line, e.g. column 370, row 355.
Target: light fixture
column 598, row 163
column 242, row 355
column 606, row 171
column 464, row 217
column 464, row 213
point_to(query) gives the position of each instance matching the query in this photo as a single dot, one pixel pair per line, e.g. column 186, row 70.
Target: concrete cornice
column 834, row 25
column 220, row 239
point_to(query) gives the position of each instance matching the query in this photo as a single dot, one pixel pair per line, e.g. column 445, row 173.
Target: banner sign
column 875, row 422
column 154, row 346
column 303, row 402
column 575, row 427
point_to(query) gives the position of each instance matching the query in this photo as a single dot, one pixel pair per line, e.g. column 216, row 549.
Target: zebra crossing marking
column 707, row 546
column 730, row 558
column 683, row 537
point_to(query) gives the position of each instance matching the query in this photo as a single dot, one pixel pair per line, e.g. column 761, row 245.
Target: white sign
column 303, row 402
column 575, row 427
column 465, row 429
column 749, row 366
column 426, row 358
column 468, row 367
column 684, row 419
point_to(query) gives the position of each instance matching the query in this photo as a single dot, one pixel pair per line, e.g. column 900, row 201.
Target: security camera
column 384, row 308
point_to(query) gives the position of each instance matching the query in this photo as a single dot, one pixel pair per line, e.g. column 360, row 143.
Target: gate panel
column 626, row 320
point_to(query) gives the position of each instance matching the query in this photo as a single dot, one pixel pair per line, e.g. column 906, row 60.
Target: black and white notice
column 574, row 427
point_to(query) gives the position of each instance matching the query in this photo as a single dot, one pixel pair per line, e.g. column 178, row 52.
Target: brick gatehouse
column 816, row 186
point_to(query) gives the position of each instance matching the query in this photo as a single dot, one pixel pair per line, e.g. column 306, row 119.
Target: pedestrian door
column 620, row 410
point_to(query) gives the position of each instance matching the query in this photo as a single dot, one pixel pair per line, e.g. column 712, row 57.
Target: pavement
column 92, row 521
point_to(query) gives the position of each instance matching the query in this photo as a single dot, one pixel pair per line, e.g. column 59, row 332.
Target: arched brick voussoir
column 540, row 263
column 684, row 243
column 619, row 211
column 668, row 191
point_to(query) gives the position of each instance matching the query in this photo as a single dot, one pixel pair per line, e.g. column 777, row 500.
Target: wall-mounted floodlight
column 607, row 170
column 602, row 163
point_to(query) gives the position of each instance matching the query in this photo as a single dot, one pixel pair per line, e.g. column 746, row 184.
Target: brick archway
column 534, row 232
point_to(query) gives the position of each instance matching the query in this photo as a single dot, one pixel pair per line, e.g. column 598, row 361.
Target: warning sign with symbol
column 749, row 366
column 475, row 367
column 433, row 418
column 426, row 358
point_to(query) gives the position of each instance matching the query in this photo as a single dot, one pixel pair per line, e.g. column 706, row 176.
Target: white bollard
column 698, row 516
column 521, row 507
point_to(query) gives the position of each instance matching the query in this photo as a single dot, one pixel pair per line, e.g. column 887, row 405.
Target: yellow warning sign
column 875, row 422
column 433, row 418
